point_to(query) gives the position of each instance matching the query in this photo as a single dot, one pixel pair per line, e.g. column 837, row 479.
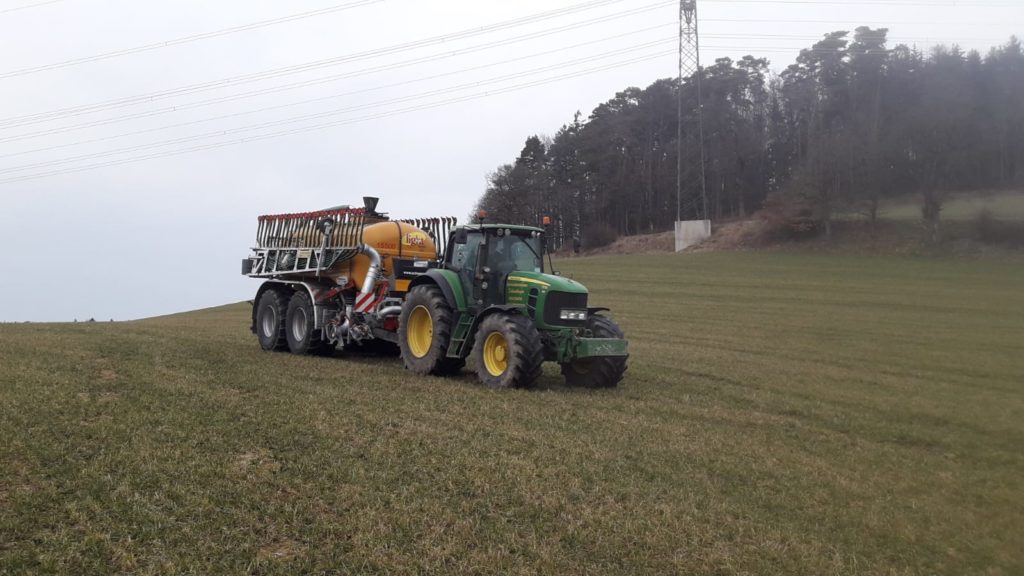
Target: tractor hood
column 545, row 282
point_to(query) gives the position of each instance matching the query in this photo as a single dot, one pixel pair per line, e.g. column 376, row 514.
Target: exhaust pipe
column 389, row 311
column 370, row 204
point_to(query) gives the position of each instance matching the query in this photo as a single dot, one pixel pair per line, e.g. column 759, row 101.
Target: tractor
column 491, row 300
column 437, row 292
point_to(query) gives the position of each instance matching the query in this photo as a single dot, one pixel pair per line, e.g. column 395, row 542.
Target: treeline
column 850, row 123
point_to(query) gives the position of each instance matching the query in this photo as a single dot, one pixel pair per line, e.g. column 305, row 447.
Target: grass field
column 1008, row 206
column 782, row 414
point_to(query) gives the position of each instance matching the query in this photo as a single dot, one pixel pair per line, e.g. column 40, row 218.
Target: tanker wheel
column 424, row 332
column 508, row 352
column 302, row 337
column 270, row 313
column 597, row 372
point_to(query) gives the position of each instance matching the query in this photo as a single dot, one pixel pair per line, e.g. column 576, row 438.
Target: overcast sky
column 414, row 102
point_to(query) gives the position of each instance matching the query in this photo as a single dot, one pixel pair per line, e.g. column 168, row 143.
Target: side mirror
column 460, row 236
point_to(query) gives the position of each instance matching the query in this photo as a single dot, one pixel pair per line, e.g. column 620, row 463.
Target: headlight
column 573, row 314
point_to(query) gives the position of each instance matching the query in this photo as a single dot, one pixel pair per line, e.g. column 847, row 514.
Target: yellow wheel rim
column 496, row 354
column 420, row 332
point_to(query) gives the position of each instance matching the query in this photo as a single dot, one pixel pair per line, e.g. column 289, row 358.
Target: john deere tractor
column 490, row 298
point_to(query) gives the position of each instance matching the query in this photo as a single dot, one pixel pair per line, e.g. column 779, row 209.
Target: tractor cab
column 484, row 255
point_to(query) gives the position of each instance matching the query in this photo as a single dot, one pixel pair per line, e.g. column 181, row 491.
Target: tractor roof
column 502, row 226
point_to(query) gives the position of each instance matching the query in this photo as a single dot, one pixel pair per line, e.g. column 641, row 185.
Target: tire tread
column 602, row 372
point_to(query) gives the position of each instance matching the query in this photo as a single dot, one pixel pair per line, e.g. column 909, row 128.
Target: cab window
column 464, row 255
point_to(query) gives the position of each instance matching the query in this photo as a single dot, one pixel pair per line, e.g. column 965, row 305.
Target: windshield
column 515, row 252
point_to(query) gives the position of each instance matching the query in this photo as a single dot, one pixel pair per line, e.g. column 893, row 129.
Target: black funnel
column 370, row 203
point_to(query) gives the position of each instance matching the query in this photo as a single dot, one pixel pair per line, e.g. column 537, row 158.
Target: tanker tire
column 523, row 351
column 597, row 372
column 270, row 312
column 302, row 337
column 434, row 362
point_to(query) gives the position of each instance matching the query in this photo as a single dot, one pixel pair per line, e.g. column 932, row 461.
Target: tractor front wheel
column 597, row 372
column 424, row 331
column 508, row 351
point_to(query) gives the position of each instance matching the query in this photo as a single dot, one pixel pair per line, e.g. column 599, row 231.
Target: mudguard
column 449, row 284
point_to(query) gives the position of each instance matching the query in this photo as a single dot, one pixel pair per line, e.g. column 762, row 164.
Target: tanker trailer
column 337, row 276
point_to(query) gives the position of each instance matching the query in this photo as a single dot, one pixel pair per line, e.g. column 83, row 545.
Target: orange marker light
column 481, row 214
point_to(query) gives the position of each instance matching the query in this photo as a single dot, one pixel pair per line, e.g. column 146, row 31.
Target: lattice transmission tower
column 689, row 66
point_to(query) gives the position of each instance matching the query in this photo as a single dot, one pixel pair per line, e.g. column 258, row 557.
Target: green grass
column 782, row 414
column 1008, row 206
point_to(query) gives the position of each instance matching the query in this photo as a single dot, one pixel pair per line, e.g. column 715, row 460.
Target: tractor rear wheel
column 424, row 332
column 270, row 312
column 508, row 351
column 597, row 372
column 300, row 327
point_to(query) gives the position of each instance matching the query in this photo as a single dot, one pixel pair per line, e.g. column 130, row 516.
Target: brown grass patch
column 259, row 461
column 280, row 550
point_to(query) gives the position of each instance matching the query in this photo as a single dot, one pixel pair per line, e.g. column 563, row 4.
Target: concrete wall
column 691, row 233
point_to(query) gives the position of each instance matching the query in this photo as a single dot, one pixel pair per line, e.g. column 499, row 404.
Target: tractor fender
column 595, row 309
column 311, row 288
column 443, row 279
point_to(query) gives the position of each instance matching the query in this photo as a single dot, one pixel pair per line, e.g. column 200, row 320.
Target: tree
column 847, row 125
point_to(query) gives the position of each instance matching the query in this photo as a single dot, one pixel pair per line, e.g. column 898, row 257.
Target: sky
column 140, row 140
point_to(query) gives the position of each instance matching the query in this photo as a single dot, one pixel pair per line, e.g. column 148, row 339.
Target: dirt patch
column 108, row 375
column 259, row 461
column 885, row 238
column 101, row 396
column 639, row 244
column 279, row 550
column 739, row 235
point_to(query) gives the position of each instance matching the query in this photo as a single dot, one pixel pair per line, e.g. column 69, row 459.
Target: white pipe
column 370, row 282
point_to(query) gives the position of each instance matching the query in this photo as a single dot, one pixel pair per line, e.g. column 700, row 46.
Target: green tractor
column 490, row 298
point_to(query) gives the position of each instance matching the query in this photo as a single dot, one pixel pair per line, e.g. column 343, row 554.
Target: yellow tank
column 392, row 240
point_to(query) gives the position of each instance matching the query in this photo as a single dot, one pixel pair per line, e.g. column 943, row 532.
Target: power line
column 332, row 96
column 949, row 4
column 187, row 39
column 252, row 77
column 331, row 78
column 27, row 6
column 805, row 38
column 306, row 101
column 315, row 81
column 797, row 49
column 850, row 21
column 338, row 122
column 334, row 112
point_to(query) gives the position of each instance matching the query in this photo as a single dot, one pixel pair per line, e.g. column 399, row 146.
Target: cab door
column 463, row 258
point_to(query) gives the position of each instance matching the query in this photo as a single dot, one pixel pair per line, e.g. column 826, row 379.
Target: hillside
column 973, row 224
column 782, row 414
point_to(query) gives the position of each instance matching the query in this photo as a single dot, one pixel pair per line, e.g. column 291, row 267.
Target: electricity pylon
column 689, row 66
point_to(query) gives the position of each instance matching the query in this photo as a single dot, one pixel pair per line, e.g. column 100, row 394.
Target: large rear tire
column 302, row 337
column 424, row 332
column 270, row 313
column 508, row 351
column 598, row 372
